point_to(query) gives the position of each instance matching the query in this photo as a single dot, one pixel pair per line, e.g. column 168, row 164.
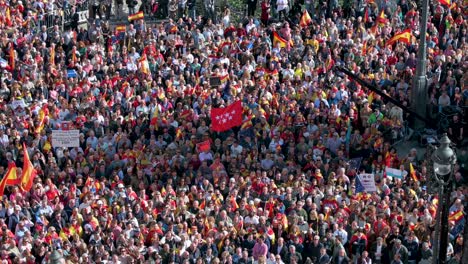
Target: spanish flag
column 52, row 55
column 382, row 19
column 179, row 133
column 404, row 36
column 413, row 172
column 305, row 19
column 173, row 29
column 43, row 113
column 278, row 39
column 12, row 56
column 120, row 29
column 364, row 48
column 456, row 216
column 143, row 64
column 445, row 2
column 8, row 17
column 10, row 175
column 29, row 173
column 154, row 118
column 136, row 16
column 224, row 78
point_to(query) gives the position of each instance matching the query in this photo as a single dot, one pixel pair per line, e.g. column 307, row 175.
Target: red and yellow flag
column 404, row 36
column 143, row 64
column 445, row 2
column 364, row 48
column 8, row 17
column 382, row 19
column 305, row 19
column 43, row 113
column 10, row 176
column 12, row 56
column 136, row 16
column 412, row 172
column 29, row 173
column 278, row 39
column 52, row 55
column 456, row 216
column 120, row 29
column 154, row 118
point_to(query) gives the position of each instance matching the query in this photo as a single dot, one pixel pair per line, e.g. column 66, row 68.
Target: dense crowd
column 151, row 182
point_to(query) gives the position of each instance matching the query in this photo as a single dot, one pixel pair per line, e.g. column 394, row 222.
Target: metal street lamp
column 444, row 159
column 419, row 88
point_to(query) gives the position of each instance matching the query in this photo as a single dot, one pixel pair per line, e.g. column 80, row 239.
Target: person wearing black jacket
column 378, row 252
column 279, row 248
column 131, row 6
column 312, row 250
column 413, row 248
column 251, row 7
column 191, row 8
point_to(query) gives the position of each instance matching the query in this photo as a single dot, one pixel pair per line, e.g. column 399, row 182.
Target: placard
column 365, row 182
column 65, row 138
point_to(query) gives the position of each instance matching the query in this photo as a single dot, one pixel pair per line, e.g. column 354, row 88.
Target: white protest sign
column 18, row 103
column 368, row 182
column 65, row 138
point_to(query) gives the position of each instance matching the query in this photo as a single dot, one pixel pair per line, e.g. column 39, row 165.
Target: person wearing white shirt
column 251, row 219
column 206, row 155
column 4, row 140
column 236, row 149
column 340, row 232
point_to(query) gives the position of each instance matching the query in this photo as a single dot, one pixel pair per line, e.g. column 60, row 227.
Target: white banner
column 368, row 182
column 18, row 103
column 65, row 138
column 394, row 173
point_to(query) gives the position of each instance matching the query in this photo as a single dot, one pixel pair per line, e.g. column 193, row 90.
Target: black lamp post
column 444, row 159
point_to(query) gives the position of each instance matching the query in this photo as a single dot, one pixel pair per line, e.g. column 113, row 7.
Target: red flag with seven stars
column 223, row 119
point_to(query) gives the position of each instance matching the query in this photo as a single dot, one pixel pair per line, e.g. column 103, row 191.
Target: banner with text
column 365, row 182
column 65, row 138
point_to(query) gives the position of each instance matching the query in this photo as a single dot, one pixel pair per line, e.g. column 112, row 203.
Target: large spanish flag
column 404, row 36
column 278, row 39
column 136, row 16
column 305, row 19
column 29, row 173
column 10, row 175
column 445, row 2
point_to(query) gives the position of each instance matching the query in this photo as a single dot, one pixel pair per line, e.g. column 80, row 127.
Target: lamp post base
column 419, row 100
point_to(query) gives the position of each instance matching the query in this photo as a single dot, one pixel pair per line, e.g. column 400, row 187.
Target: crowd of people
column 150, row 180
